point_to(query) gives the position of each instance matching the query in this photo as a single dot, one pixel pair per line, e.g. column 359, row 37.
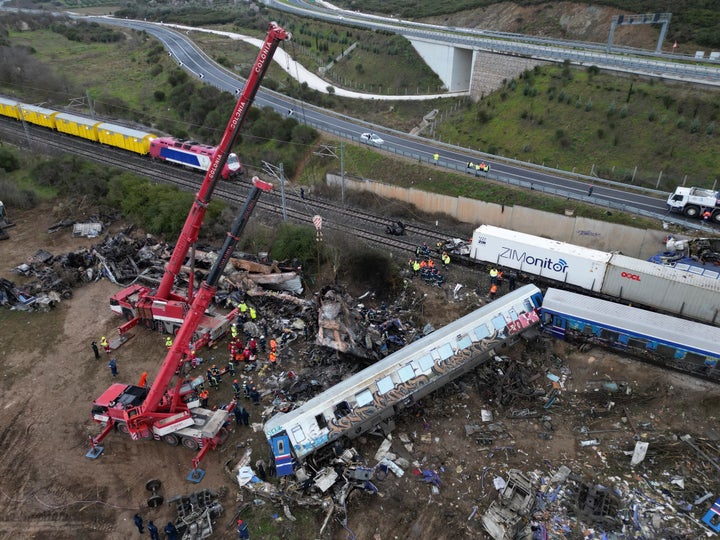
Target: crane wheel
column 155, row 499
column 121, row 427
column 190, row 443
column 170, row 439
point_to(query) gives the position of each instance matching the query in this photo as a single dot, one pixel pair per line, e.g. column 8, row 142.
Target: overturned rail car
column 370, row 398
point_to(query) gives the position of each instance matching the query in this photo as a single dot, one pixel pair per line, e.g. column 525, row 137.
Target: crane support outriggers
column 166, row 412
column 163, row 309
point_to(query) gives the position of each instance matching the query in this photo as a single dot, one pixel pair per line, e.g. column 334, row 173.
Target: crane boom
column 163, row 308
column 193, row 222
column 206, row 292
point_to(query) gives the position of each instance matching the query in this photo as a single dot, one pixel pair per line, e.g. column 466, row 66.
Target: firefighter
column 231, row 366
column 242, row 530
column 246, row 355
column 252, row 344
column 153, row 530
column 169, row 342
column 262, row 344
column 138, row 523
column 216, row 372
column 105, row 344
column 96, row 352
column 236, row 389
column 112, row 364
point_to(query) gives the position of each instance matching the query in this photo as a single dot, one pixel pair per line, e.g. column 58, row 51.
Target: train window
column 385, row 385
column 445, row 351
column 320, row 419
column 695, row 358
column 463, row 341
column 364, row 398
column 406, row 373
column 481, row 332
column 298, row 434
column 636, row 343
column 342, row 409
column 426, row 362
column 512, row 312
column 609, row 335
column 665, row 351
column 499, row 322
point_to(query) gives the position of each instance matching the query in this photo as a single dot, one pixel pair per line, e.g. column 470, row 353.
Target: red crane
column 165, row 309
column 169, row 412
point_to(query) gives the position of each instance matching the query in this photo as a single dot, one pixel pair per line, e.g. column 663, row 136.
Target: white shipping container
column 663, row 288
column 551, row 259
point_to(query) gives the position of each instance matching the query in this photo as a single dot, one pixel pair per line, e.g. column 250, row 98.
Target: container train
column 369, row 399
column 186, row 153
column 611, row 275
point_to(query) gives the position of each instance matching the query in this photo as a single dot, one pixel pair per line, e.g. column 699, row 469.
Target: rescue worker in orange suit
column 273, row 359
column 143, row 379
column 273, row 345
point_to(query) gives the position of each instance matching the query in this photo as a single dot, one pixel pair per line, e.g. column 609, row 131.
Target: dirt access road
column 49, row 489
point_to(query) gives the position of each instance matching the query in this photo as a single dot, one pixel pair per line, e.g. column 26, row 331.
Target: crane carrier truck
column 170, row 412
column 164, row 309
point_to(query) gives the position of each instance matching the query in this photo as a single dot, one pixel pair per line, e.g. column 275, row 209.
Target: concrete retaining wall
column 490, row 70
column 641, row 243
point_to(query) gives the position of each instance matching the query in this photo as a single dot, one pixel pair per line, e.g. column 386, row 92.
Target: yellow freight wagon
column 125, row 138
column 9, row 108
column 37, row 115
column 77, row 126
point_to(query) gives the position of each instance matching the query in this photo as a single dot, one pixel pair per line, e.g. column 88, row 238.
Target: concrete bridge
column 463, row 68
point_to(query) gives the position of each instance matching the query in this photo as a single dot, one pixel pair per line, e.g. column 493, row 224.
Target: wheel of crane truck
column 190, row 443
column 715, row 218
column 692, row 211
column 121, row 427
column 170, row 439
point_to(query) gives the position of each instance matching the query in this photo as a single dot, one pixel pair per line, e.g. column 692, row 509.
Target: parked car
column 371, row 138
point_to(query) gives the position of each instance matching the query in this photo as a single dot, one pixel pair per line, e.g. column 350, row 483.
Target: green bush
column 9, row 162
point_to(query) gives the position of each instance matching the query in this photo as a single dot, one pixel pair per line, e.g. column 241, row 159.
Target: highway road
column 613, row 196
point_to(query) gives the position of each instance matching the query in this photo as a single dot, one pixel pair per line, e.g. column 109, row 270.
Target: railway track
column 366, row 227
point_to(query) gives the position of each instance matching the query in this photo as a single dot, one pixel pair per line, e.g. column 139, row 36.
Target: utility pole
column 279, row 174
column 342, row 172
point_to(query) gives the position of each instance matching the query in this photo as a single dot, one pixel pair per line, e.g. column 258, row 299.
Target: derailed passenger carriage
column 370, row 398
column 673, row 343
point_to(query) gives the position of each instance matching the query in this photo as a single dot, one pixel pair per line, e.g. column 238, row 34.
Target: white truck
column 696, row 202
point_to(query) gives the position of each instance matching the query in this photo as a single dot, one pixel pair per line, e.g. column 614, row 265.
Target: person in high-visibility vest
column 493, row 276
column 253, row 313
column 234, row 330
column 168, row 342
column 105, row 344
column 242, row 306
column 436, row 158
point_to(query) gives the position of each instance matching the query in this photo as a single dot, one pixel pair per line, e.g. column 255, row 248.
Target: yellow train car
column 77, row 126
column 37, row 115
column 125, row 138
column 9, row 108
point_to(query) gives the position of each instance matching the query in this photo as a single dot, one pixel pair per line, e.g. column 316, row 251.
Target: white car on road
column 371, row 138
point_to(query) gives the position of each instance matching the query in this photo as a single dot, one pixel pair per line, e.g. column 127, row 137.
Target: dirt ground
column 49, row 489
